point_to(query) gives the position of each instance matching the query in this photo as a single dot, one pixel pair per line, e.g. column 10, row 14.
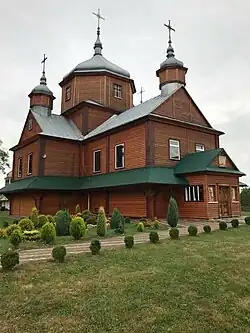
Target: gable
column 222, row 160
column 181, row 106
column 27, row 132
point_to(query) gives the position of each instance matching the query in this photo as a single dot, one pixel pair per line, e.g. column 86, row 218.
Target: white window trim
column 94, row 152
column 30, row 124
column 176, row 144
column 195, row 191
column 68, row 88
column 19, row 174
column 29, row 173
column 117, row 90
column 199, row 144
column 123, row 157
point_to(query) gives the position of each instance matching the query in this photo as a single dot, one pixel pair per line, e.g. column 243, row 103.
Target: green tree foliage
column 101, row 223
column 4, row 157
column 77, row 228
column 48, row 233
column 245, row 199
column 63, row 219
column 173, row 213
column 116, row 219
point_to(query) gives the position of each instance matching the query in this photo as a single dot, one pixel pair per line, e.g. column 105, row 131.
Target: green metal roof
column 201, row 162
column 151, row 175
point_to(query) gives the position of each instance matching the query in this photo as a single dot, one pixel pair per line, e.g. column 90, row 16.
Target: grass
column 197, row 284
column 4, row 217
column 245, row 213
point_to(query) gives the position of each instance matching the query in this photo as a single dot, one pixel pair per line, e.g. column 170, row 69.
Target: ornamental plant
column 51, row 219
column 9, row 260
column 63, row 219
column 48, row 233
column 59, row 253
column 26, row 224
column 235, row 223
column 129, row 241
column 77, row 228
column 140, row 227
column 11, row 228
column 156, row 224
column 127, row 219
column 95, row 246
column 2, row 233
column 223, row 225
column 78, row 209
column 34, row 217
column 5, row 224
column 247, row 220
column 173, row 213
column 207, row 229
column 174, row 233
column 31, row 235
column 116, row 219
column 154, row 237
column 42, row 220
column 16, row 237
column 192, row 230
column 101, row 223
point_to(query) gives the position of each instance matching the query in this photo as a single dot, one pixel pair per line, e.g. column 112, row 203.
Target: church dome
column 171, row 60
column 42, row 88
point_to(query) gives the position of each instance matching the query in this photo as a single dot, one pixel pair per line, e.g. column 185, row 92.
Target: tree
column 173, row 213
column 245, row 199
column 4, row 159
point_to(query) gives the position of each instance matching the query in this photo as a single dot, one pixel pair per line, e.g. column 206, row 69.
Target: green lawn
column 245, row 213
column 197, row 284
column 4, row 217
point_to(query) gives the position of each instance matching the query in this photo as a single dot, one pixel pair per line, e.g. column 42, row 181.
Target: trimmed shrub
column 16, row 221
column 223, row 225
column 247, row 220
column 77, row 228
column 5, row 224
column 140, row 227
column 42, row 220
column 235, row 223
column 11, row 228
column 95, row 246
column 63, row 219
column 127, row 219
column 9, row 259
column 16, row 237
column 51, row 219
column 34, row 217
column 156, row 224
column 154, row 237
column 174, row 233
column 86, row 215
column 115, row 220
column 26, row 224
column 192, row 230
column 59, row 253
column 173, row 213
column 48, row 233
column 101, row 223
column 78, row 209
column 129, row 241
column 32, row 235
column 92, row 219
column 146, row 223
column 207, row 229
column 2, row 233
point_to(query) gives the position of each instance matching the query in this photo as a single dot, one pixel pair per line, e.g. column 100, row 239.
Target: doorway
column 224, row 201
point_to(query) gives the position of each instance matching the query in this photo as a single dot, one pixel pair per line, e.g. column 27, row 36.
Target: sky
column 211, row 38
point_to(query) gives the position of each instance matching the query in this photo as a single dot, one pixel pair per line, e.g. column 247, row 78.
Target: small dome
column 99, row 63
column 169, row 62
column 42, row 87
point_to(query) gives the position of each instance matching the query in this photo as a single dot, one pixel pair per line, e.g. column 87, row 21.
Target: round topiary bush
column 77, row 228
column 11, row 228
column 247, row 220
column 207, row 229
column 9, row 259
column 154, row 237
column 59, row 253
column 26, row 224
column 42, row 220
column 156, row 224
column 174, row 233
column 140, row 227
column 192, row 230
column 48, row 233
column 63, row 219
column 16, row 237
column 223, row 225
column 129, row 241
column 235, row 223
column 127, row 219
column 95, row 246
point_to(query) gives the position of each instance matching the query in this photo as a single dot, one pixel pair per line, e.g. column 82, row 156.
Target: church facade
column 101, row 150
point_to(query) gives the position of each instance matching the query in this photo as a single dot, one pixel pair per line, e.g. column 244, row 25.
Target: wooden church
column 101, row 150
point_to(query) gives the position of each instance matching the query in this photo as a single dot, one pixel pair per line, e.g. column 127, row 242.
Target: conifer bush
column 77, row 228
column 140, row 227
column 34, row 217
column 48, row 233
column 16, row 237
column 62, row 219
column 59, row 253
column 115, row 220
column 101, row 223
column 95, row 246
column 173, row 213
column 32, row 235
column 127, row 220
column 26, row 224
column 78, row 209
column 174, row 233
column 223, row 225
column 247, row 220
column 129, row 241
column 42, row 220
column 9, row 260
column 207, row 229
column 154, row 237
column 235, row 223
column 11, row 228
column 192, row 230
column 156, row 224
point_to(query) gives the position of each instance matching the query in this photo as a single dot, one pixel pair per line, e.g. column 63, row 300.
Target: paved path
column 108, row 243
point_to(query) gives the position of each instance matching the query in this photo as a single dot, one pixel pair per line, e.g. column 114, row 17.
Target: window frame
column 169, row 147
column 28, row 164
column 68, row 92
column 225, row 161
column 215, row 193
column 123, row 156
column 189, row 191
column 234, row 188
column 19, row 167
column 117, row 88
column 199, row 150
column 94, row 161
column 30, row 124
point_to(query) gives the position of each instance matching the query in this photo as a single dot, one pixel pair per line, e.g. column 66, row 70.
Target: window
column 222, row 161
column 199, row 147
column 97, row 161
column 30, row 162
column 211, row 193
column 20, row 167
column 174, row 150
column 119, row 156
column 68, row 93
column 235, row 194
column 30, row 124
column 118, row 91
column 194, row 193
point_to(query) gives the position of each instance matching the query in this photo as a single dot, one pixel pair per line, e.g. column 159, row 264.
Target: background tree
column 245, row 199
column 4, row 156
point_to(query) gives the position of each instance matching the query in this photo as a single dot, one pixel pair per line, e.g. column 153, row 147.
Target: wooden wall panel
column 26, row 134
column 128, row 202
column 21, row 204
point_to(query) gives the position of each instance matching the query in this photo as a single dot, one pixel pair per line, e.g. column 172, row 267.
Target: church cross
column 141, row 93
column 170, row 28
column 43, row 62
column 99, row 17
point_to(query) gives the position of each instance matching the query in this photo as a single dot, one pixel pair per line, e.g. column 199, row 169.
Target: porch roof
column 149, row 175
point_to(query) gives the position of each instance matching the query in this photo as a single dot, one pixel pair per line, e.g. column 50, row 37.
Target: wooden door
column 224, row 201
